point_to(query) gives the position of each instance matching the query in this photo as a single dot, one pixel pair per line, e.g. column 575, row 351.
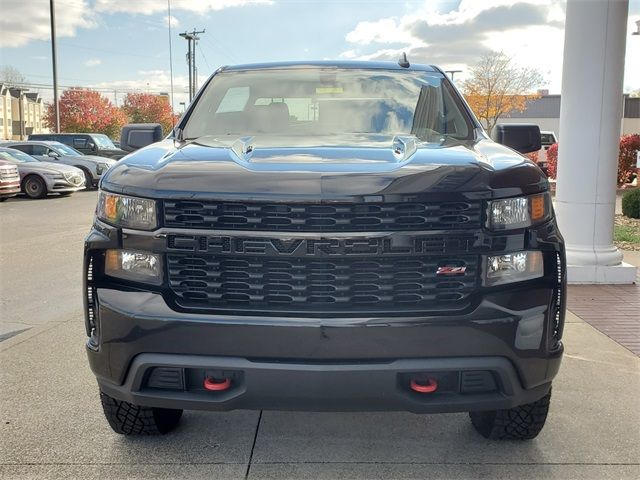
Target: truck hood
column 333, row 168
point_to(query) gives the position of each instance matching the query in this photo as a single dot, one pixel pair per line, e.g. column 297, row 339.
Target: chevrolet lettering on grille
column 298, row 247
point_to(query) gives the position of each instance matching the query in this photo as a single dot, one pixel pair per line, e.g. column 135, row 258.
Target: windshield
column 16, row 156
column 103, row 141
column 63, row 149
column 313, row 102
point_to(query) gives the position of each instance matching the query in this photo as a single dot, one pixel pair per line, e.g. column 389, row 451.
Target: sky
column 123, row 45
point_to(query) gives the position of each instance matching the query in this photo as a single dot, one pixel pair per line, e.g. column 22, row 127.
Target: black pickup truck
column 327, row 236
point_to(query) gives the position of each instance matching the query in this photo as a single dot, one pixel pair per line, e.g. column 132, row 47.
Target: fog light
column 135, row 266
column 514, row 267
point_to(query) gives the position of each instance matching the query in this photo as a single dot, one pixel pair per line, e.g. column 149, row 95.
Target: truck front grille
column 307, row 285
column 9, row 173
column 411, row 215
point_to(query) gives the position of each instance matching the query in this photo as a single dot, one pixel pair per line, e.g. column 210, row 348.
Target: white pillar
column 590, row 116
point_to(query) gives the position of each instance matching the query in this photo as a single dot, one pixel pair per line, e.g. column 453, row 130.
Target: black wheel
column 34, row 187
column 519, row 423
column 88, row 180
column 2, row 199
column 129, row 419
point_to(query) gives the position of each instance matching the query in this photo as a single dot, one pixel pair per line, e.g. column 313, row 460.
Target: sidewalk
column 51, row 426
column 612, row 309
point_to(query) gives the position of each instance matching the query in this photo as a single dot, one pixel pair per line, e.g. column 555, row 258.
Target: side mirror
column 138, row 135
column 53, row 154
column 522, row 137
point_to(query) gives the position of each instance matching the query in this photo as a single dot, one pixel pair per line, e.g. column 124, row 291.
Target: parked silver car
column 92, row 166
column 38, row 178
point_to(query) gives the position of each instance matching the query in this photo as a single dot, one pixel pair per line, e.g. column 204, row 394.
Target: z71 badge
column 451, row 270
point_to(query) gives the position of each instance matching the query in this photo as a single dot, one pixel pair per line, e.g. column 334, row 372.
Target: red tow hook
column 430, row 386
column 214, row 385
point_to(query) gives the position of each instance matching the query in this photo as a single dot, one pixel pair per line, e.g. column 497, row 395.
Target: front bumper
column 464, row 384
column 62, row 185
column 9, row 189
column 359, row 364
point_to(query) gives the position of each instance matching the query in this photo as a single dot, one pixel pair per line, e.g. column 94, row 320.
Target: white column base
column 623, row 273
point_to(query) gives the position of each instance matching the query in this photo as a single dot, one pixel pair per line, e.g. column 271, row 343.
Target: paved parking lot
column 51, row 424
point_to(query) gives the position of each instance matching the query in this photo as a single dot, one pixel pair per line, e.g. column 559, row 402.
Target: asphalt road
column 52, row 426
column 41, row 257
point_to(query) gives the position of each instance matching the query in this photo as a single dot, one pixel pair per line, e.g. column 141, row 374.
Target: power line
column 204, row 58
column 47, row 86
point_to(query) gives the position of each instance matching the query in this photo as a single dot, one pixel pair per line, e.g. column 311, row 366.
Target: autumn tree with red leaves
column 83, row 110
column 148, row 108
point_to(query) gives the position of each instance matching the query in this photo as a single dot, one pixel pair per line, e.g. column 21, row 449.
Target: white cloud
column 148, row 7
column 171, row 20
column 386, row 30
column 92, row 62
column 528, row 29
column 22, row 21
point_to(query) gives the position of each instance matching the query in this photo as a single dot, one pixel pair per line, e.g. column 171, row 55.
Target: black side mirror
column 522, row 137
column 138, row 135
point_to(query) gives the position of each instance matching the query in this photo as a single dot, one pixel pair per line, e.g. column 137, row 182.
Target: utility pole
column 170, row 59
column 452, row 73
column 56, row 107
column 192, row 38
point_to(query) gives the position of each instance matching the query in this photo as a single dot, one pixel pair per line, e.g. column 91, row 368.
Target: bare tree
column 496, row 87
column 11, row 76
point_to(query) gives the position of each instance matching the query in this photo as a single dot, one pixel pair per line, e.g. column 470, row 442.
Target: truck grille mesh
column 323, row 217
column 314, row 284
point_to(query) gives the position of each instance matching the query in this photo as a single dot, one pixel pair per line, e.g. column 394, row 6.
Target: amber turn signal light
column 537, row 207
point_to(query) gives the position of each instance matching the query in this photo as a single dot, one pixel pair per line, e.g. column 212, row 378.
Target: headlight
column 124, row 211
column 101, row 168
column 519, row 212
column 53, row 175
column 135, row 266
column 514, row 267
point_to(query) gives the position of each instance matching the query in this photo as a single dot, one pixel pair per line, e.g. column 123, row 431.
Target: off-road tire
column 519, row 423
column 129, row 419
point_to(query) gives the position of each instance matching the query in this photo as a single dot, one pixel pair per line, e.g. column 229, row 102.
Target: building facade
column 6, row 122
column 21, row 113
column 545, row 112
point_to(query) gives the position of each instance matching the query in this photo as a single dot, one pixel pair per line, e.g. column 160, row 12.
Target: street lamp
column 452, row 73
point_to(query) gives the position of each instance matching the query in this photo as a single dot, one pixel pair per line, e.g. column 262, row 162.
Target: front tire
column 128, row 419
column 88, row 179
column 34, row 187
column 519, row 423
